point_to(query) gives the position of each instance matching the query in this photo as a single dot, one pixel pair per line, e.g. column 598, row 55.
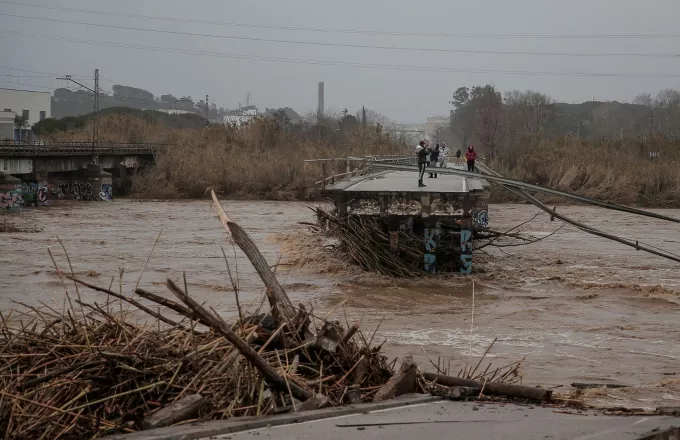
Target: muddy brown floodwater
column 576, row 307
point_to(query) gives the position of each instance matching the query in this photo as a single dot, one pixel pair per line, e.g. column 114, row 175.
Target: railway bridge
column 32, row 173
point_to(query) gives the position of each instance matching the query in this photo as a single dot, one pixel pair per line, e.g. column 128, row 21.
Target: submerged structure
column 441, row 218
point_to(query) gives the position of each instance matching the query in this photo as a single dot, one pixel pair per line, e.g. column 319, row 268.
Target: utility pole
column 248, row 100
column 95, row 131
column 95, row 128
column 651, row 121
column 578, row 130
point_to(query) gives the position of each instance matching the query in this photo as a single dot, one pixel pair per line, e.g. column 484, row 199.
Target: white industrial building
column 30, row 105
column 240, row 117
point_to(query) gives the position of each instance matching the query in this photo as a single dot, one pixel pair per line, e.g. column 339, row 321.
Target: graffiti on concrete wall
column 74, row 190
column 431, row 240
column 106, row 194
column 11, row 200
column 480, row 217
column 480, row 220
column 465, row 251
column 34, row 193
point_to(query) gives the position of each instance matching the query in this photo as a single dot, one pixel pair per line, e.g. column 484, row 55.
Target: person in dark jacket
column 434, row 158
column 471, row 155
column 422, row 152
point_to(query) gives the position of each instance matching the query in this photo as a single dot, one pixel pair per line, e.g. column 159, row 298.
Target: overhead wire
column 338, row 30
column 338, row 63
column 345, row 45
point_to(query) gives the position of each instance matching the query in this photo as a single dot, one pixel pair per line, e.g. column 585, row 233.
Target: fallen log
column 278, row 299
column 184, row 409
column 498, row 389
column 403, row 382
column 587, row 386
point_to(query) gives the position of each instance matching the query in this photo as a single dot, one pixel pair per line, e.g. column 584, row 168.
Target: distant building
column 29, row 105
column 435, row 126
column 173, row 111
column 240, row 117
column 7, row 125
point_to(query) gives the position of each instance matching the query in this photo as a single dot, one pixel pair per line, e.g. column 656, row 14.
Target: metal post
column 207, row 121
column 94, row 117
column 332, row 171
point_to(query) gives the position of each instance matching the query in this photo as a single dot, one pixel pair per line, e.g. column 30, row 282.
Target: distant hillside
column 67, row 103
column 53, row 125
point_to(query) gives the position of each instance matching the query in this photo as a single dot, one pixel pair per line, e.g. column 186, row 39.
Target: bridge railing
column 353, row 166
column 45, row 148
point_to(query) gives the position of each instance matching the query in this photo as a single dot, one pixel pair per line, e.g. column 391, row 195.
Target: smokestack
column 320, row 109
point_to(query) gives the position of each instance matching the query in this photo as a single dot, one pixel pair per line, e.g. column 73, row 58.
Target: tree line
column 494, row 120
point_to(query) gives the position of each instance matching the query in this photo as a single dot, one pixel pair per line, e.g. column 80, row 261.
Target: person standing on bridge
column 458, row 154
column 443, row 155
column 434, row 160
column 422, row 153
column 471, row 155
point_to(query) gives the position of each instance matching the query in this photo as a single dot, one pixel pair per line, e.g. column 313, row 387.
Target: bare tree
column 372, row 117
column 490, row 125
column 529, row 112
column 669, row 100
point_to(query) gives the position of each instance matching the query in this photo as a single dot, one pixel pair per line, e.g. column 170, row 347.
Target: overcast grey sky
column 402, row 95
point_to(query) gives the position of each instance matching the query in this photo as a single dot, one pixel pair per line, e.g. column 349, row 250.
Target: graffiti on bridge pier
column 74, row 190
column 11, row 200
column 106, row 194
column 480, row 219
column 466, row 251
column 431, row 240
column 34, row 193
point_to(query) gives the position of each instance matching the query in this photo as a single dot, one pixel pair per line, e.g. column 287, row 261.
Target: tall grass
column 616, row 171
column 260, row 160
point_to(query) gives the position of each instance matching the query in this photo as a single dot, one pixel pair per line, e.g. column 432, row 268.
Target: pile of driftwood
column 366, row 241
column 92, row 369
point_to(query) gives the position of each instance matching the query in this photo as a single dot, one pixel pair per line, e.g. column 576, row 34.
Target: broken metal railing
column 354, row 166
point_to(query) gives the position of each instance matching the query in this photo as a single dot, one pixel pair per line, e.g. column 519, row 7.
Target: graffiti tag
column 106, row 194
column 430, row 259
column 466, row 251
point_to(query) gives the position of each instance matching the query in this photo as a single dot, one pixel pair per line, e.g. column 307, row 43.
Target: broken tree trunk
column 242, row 346
column 499, row 389
column 184, row 409
column 403, row 382
column 278, row 299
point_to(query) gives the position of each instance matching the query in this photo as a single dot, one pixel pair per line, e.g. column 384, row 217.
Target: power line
column 342, row 64
column 346, row 45
column 26, row 85
column 41, row 73
column 345, row 31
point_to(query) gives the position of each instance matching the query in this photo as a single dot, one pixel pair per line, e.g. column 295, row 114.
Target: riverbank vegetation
column 263, row 159
column 619, row 171
column 624, row 153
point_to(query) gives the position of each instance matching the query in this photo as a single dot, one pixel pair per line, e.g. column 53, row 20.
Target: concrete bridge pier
column 10, row 193
column 91, row 183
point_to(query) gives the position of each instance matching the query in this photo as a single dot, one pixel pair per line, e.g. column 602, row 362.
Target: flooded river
column 578, row 308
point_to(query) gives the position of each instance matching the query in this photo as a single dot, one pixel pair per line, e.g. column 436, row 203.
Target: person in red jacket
column 471, row 155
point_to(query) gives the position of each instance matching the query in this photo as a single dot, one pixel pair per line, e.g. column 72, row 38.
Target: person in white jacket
column 443, row 155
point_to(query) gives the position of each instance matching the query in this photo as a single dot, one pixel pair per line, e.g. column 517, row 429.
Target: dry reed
column 616, row 171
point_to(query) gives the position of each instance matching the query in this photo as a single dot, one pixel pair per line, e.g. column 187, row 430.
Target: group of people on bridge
column 438, row 158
